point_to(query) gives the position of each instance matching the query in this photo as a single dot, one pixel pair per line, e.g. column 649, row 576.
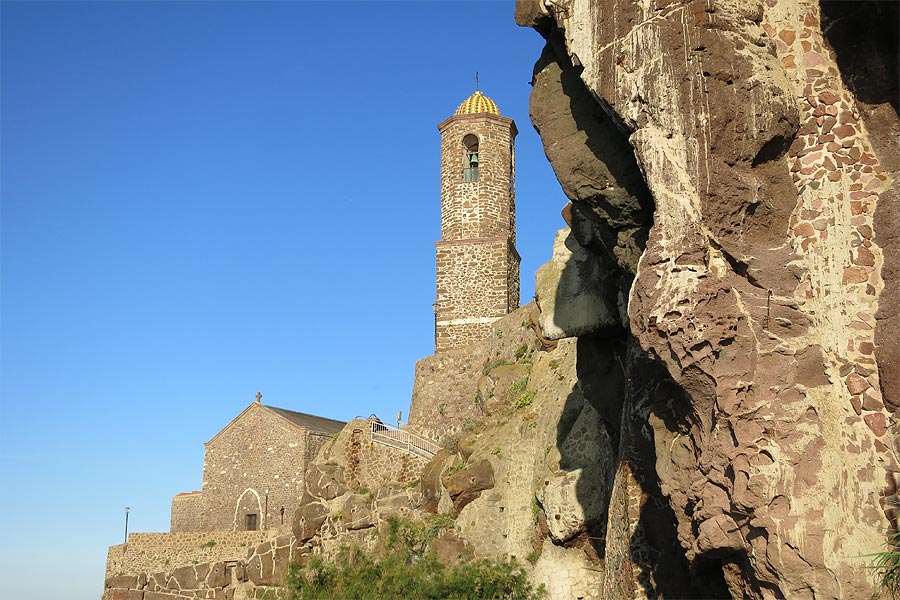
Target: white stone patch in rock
column 572, row 500
column 570, row 291
column 565, row 577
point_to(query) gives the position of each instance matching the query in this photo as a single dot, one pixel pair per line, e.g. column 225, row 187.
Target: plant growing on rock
column 525, row 399
column 491, row 366
column 535, row 509
column 456, row 467
column 407, row 568
column 886, row 566
column 518, row 386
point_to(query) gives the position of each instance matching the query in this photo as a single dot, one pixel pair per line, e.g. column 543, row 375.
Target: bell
column 473, row 159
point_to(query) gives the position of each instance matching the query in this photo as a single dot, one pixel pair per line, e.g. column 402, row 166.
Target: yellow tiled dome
column 477, row 103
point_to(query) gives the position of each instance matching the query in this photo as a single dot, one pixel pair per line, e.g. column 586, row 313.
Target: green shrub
column 490, row 367
column 521, row 350
column 554, row 364
column 517, row 387
column 496, row 451
column 457, row 467
column 535, row 509
column 406, row 568
column 886, row 566
column 441, row 408
column 362, row 491
column 451, row 444
column 525, row 399
column 443, row 521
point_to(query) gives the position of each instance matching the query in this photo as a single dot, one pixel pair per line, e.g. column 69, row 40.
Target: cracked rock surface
column 757, row 263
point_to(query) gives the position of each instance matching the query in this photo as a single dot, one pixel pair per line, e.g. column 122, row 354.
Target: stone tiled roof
column 311, row 422
column 477, row 103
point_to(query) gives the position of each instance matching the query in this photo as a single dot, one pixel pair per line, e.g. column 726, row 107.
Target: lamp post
column 266, row 514
column 127, row 510
column 434, row 309
column 282, row 515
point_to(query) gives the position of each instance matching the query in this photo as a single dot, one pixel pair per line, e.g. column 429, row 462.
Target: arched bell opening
column 470, row 146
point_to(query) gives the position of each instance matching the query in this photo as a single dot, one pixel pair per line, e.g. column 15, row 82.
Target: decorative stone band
column 488, row 240
column 506, row 121
column 470, row 320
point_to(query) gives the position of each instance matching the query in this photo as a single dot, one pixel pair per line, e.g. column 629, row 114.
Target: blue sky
column 204, row 200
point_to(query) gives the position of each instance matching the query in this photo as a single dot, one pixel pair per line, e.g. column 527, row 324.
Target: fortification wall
column 259, row 572
column 152, row 552
column 443, row 399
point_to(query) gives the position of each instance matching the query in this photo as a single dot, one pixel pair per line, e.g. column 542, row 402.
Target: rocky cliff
column 702, row 402
column 524, row 469
column 732, row 170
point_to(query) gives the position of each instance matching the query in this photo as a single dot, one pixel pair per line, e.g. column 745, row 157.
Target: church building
column 253, row 471
column 477, row 261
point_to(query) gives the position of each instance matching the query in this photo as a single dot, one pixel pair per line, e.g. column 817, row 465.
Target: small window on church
column 470, row 170
column 251, row 522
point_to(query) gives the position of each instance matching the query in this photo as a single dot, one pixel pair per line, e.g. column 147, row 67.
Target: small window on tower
column 251, row 522
column 470, row 171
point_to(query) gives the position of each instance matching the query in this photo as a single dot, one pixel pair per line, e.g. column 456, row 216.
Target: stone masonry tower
column 477, row 262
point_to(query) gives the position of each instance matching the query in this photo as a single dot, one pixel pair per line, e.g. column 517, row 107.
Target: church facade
column 253, row 471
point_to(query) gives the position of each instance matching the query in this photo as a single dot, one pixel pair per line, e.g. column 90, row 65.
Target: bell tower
column 477, row 261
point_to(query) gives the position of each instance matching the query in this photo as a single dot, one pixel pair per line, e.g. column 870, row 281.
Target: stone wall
column 187, row 510
column 151, row 552
column 362, row 462
column 481, row 209
column 473, row 289
column 248, row 570
column 477, row 263
column 443, row 399
column 256, row 452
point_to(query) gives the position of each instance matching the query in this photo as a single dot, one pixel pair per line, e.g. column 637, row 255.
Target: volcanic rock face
column 736, row 172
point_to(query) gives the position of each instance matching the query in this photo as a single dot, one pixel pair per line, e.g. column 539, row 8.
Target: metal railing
column 404, row 440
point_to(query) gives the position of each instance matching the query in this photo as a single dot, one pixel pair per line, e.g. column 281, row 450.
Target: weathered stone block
column 468, row 483
column 307, row 521
column 122, row 581
column 357, row 512
column 325, row 481
column 570, row 292
column 186, row 577
column 217, row 575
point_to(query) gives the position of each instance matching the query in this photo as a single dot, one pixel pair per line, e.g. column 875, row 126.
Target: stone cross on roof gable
column 259, row 397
